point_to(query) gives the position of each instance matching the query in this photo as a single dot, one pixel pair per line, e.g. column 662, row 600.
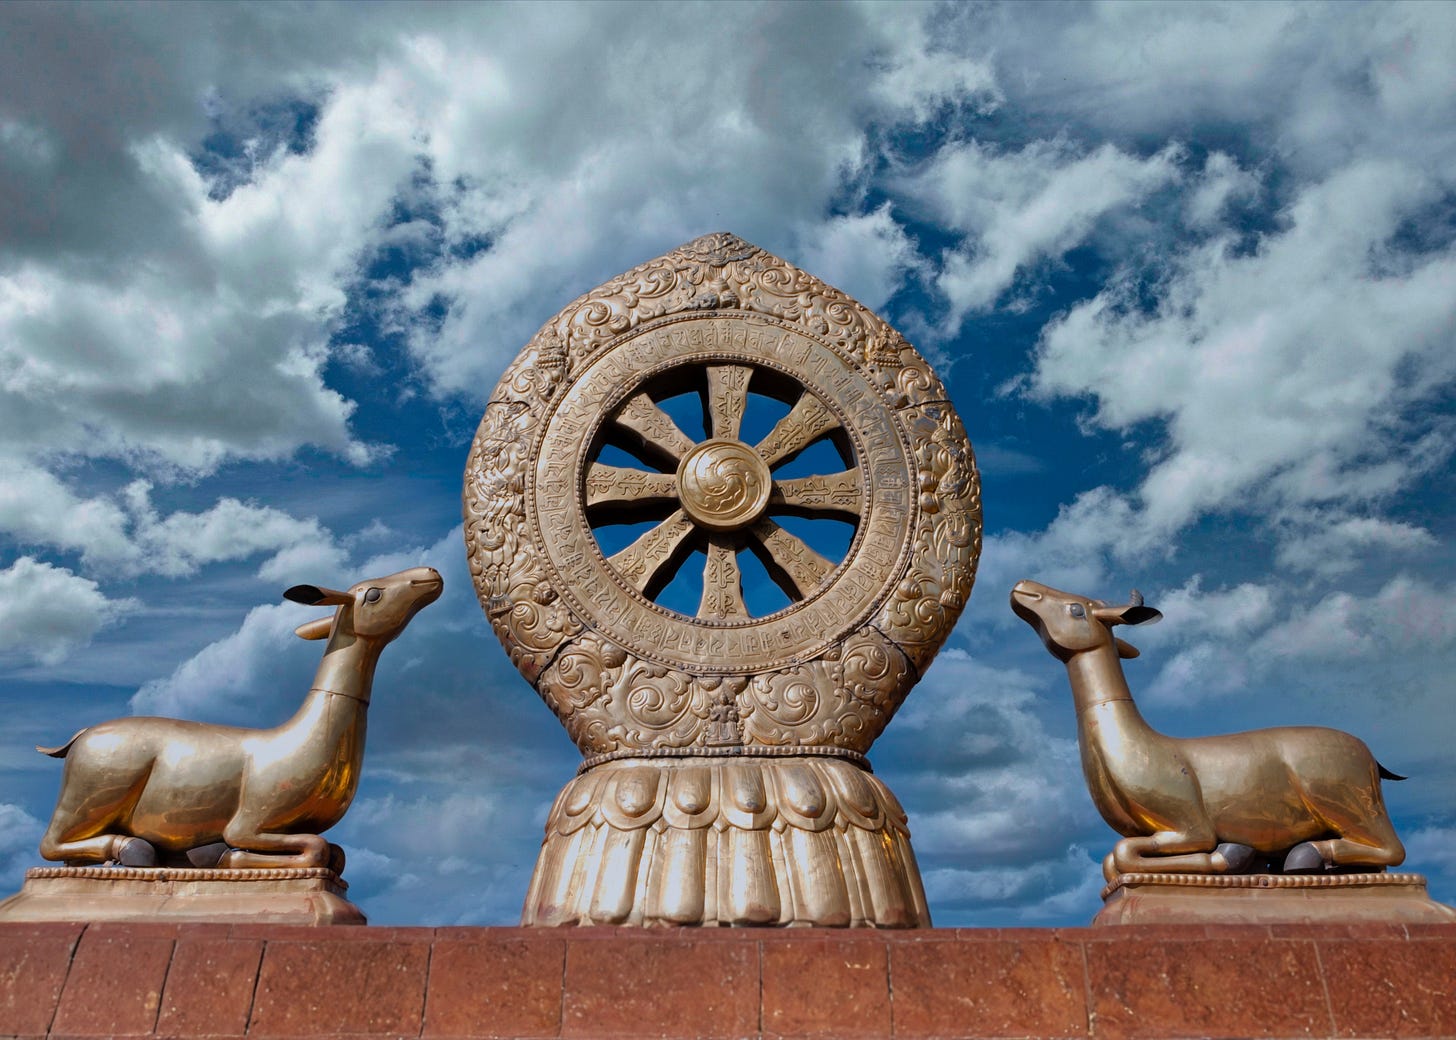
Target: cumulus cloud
column 1221, row 184
column 244, row 678
column 125, row 534
column 19, row 837
column 867, row 255
column 1314, row 85
column 1019, row 208
column 47, row 612
column 1330, row 548
column 1287, row 378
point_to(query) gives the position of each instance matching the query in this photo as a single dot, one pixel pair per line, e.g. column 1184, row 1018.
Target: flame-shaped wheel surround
column 580, row 615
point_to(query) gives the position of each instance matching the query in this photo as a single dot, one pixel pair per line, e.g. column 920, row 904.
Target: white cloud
column 1202, row 650
column 1221, row 183
column 1406, row 616
column 19, row 839
column 245, row 678
column 1020, row 208
column 1333, row 548
column 1314, row 84
column 1281, row 375
column 181, row 542
column 867, row 255
column 39, row 509
column 48, row 613
column 678, row 141
column 981, row 775
column 125, row 535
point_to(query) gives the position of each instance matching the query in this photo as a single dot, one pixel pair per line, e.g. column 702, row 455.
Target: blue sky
column 1189, row 272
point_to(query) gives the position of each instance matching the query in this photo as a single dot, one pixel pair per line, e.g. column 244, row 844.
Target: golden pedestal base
column 1270, row 899
column 279, row 895
column 752, row 840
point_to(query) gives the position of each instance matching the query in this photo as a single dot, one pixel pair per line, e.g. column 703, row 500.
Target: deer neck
column 347, row 668
column 325, row 737
column 1098, row 685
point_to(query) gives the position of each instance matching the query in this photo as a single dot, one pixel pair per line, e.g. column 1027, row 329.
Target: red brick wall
column 1149, row 981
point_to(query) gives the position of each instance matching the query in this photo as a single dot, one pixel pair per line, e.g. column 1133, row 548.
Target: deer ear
column 315, row 629
column 1141, row 616
column 1126, row 614
column 1125, row 649
column 314, row 595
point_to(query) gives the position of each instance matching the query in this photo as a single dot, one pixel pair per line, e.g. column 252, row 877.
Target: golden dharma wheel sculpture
column 610, row 526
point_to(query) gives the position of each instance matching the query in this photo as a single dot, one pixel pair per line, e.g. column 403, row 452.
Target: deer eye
column 372, row 596
column 1076, row 610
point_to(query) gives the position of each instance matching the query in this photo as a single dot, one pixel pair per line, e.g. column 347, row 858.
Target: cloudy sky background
column 1189, row 272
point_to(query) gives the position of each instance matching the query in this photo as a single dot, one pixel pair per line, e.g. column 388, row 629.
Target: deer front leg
column 260, row 849
column 124, row 849
column 1189, row 851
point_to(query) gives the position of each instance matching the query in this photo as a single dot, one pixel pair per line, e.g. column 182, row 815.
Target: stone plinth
column 1149, row 981
column 1270, row 899
column 279, row 895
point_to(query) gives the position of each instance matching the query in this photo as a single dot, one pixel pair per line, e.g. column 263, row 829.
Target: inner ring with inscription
column 708, row 475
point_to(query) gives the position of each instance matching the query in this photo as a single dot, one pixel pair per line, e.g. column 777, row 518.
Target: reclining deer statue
column 1207, row 805
column 139, row 789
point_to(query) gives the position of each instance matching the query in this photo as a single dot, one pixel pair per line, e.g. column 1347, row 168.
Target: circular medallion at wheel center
column 723, row 484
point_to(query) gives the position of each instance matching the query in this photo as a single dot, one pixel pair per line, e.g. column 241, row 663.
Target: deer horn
column 1136, row 599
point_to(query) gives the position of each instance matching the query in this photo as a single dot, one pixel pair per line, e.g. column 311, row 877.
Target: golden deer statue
column 139, row 789
column 1206, row 805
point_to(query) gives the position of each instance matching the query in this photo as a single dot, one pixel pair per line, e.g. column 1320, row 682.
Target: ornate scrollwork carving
column 581, row 443
column 724, row 318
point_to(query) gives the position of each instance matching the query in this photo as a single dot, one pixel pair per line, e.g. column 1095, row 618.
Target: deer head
column 375, row 608
column 1070, row 625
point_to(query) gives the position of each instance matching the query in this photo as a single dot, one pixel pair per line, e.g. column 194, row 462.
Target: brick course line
column 1319, row 963
column 1091, row 1011
column 253, row 996
column 162, row 987
column 61, row 990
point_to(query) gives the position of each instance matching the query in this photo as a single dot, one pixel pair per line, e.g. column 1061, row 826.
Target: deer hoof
column 1304, row 859
column 135, row 852
column 1239, row 858
column 206, row 856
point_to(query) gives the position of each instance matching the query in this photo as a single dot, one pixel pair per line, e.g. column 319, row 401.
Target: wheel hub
column 723, row 484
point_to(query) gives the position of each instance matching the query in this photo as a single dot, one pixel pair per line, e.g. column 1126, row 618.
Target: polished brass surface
column 1196, row 899
column 145, row 790
column 723, row 484
column 1301, row 797
column 280, row 895
column 580, row 436
column 807, row 840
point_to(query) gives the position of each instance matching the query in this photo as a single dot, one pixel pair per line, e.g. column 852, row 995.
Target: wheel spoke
column 795, row 563
column 656, row 428
column 722, row 584
column 823, row 495
column 727, row 398
column 643, row 561
column 619, row 486
column 807, row 421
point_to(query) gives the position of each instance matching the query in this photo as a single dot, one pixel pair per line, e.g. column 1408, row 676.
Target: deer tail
column 1386, row 774
column 60, row 750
